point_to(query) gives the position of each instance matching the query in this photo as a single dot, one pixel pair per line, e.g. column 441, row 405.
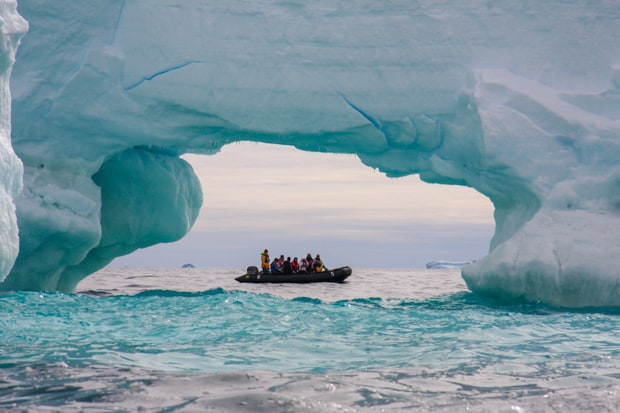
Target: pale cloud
column 251, row 185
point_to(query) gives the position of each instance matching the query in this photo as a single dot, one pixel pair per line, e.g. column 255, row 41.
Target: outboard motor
column 252, row 270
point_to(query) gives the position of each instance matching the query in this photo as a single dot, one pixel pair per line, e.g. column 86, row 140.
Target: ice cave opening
column 259, row 195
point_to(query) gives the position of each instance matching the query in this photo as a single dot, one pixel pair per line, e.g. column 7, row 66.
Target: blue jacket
column 275, row 269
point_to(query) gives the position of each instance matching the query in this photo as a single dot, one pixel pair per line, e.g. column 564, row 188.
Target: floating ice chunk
column 447, row 264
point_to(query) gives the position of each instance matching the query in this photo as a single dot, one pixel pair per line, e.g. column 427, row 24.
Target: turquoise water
column 387, row 340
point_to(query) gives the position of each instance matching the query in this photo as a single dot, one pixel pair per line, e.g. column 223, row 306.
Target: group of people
column 288, row 266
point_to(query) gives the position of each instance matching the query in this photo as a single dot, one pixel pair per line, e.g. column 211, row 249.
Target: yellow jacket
column 264, row 261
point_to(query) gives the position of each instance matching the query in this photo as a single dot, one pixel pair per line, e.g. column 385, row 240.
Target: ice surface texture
column 519, row 100
column 12, row 28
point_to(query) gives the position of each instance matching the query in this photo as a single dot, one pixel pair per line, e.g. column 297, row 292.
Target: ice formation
column 12, row 27
column 519, row 100
column 447, row 264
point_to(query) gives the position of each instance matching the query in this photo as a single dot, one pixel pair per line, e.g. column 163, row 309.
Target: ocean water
column 194, row 340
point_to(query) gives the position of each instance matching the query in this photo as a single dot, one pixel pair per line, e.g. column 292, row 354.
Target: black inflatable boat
column 334, row 275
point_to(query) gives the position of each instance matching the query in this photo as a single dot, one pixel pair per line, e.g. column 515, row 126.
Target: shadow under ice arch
column 535, row 130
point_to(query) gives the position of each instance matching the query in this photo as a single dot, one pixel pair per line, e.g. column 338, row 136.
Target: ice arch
column 529, row 117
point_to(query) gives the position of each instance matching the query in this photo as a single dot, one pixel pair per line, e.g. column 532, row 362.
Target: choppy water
column 186, row 340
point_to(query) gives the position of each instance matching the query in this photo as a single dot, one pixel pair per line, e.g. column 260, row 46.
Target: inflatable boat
column 333, row 275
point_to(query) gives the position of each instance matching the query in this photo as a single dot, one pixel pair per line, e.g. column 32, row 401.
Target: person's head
column 288, row 258
column 318, row 256
column 295, row 259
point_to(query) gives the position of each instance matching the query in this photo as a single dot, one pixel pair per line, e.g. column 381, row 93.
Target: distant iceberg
column 447, row 264
column 188, row 265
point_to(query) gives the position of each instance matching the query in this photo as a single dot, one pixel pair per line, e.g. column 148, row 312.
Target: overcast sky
column 293, row 202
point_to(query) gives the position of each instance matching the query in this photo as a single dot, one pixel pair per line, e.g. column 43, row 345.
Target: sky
column 292, row 202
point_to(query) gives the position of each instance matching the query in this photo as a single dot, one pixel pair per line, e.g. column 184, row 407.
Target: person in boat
column 317, row 265
column 295, row 265
column 286, row 267
column 275, row 266
column 310, row 262
column 303, row 268
column 264, row 261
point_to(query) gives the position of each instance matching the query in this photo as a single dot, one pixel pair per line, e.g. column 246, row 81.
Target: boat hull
column 334, row 275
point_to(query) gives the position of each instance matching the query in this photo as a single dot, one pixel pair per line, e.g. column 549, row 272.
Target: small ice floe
column 447, row 264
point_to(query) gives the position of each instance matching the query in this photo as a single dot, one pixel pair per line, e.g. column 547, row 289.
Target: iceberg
column 519, row 101
column 437, row 265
